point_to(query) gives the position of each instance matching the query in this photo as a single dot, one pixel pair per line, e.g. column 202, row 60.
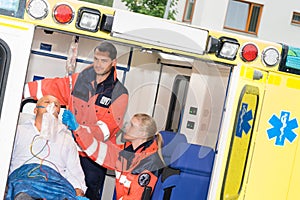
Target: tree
column 152, row 7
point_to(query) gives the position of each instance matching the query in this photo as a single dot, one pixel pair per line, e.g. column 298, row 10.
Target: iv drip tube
column 71, row 64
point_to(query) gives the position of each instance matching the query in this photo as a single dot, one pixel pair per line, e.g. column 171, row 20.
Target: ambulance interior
column 185, row 95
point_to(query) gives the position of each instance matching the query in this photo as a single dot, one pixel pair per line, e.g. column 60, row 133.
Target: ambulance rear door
column 15, row 45
column 235, row 144
column 275, row 164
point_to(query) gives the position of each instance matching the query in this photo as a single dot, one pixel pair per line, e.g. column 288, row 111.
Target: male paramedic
column 99, row 102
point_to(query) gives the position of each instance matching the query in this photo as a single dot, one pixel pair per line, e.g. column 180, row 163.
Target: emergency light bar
column 37, row 9
column 155, row 31
column 290, row 59
column 249, row 52
column 270, row 56
column 88, row 19
column 106, row 23
column 293, row 58
column 224, row 47
column 63, row 13
column 229, row 51
column 228, row 48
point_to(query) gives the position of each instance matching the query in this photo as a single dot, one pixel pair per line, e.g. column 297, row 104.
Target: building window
column 243, row 16
column 189, row 10
column 296, row 18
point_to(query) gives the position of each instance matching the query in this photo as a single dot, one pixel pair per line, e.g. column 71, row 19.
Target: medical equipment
column 71, row 64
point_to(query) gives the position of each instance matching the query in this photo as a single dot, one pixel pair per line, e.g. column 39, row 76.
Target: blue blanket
column 43, row 182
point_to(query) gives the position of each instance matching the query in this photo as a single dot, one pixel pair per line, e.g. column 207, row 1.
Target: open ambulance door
column 245, row 95
column 15, row 45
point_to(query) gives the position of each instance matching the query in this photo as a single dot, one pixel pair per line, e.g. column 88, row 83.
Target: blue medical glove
column 81, row 198
column 69, row 120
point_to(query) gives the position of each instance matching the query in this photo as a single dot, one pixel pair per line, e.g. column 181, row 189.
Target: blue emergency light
column 293, row 58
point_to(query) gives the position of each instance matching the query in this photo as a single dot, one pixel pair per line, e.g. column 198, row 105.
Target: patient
column 45, row 162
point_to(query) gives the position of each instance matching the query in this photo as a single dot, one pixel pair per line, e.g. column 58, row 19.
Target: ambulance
column 234, row 95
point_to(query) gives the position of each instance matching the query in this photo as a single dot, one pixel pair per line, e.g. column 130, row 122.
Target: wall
column 275, row 22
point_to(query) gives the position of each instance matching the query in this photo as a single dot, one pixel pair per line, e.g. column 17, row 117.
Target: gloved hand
column 69, row 120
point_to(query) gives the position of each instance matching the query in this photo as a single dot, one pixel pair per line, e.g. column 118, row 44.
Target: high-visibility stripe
column 92, row 148
column 26, row 91
column 127, row 183
column 118, row 174
column 123, row 180
column 86, row 128
column 39, row 93
column 102, row 153
column 104, row 128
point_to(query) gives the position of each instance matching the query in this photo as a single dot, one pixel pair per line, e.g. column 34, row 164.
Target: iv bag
column 71, row 61
column 49, row 124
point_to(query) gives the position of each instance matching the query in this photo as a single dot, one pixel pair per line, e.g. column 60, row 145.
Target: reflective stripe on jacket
column 135, row 169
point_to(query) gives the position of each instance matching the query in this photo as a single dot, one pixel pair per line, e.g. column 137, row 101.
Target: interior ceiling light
column 63, row 13
column 37, row 9
column 270, row 56
column 249, row 52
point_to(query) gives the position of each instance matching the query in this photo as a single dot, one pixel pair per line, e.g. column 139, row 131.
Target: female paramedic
column 137, row 162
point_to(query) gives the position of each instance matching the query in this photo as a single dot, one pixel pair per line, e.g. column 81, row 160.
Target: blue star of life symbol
column 282, row 128
column 244, row 117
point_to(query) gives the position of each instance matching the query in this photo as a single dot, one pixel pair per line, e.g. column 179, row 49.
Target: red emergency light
column 63, row 13
column 249, row 52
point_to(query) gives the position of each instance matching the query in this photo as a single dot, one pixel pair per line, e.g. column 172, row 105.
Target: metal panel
column 159, row 32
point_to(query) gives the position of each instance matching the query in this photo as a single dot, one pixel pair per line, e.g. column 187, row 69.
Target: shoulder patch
column 144, row 179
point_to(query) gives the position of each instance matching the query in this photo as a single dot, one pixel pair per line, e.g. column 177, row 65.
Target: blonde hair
column 148, row 126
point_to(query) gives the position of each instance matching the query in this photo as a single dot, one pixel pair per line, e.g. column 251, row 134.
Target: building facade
column 276, row 20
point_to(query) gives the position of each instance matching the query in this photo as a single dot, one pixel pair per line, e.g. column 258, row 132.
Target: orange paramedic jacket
column 135, row 169
column 99, row 109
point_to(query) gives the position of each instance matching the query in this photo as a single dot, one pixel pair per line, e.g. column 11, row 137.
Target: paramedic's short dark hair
column 107, row 47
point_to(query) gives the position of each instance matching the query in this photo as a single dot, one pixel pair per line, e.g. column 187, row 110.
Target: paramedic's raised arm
column 58, row 87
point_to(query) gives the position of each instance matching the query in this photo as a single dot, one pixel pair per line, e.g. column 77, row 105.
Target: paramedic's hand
column 69, row 120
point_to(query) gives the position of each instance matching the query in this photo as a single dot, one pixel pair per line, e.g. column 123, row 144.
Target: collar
column 85, row 85
column 140, row 148
column 128, row 152
column 89, row 75
column 110, row 80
